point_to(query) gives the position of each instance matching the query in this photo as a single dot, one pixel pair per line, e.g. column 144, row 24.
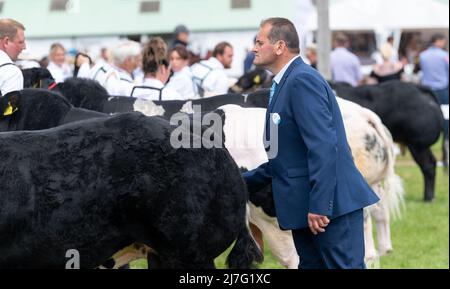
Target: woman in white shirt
column 58, row 67
column 181, row 79
column 156, row 73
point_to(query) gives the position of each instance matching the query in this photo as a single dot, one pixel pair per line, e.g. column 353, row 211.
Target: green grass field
column 420, row 237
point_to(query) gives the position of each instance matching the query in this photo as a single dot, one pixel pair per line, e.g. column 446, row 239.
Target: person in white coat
column 116, row 77
column 156, row 73
column 209, row 75
column 181, row 79
column 12, row 42
column 57, row 66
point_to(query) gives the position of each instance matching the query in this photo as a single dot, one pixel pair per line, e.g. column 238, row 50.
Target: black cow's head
column 251, row 81
column 37, row 78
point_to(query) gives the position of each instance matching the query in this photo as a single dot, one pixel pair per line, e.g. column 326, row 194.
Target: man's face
column 58, row 56
column 441, row 43
column 183, row 36
column 14, row 46
column 227, row 57
column 311, row 55
column 264, row 51
column 131, row 63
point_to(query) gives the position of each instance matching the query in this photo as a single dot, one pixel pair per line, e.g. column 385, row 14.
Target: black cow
column 99, row 185
column 411, row 113
column 37, row 78
column 34, row 109
column 251, row 81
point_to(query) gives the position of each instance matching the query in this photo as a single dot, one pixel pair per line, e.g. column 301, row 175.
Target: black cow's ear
column 9, row 103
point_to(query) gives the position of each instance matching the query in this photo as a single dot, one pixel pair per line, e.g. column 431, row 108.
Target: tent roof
column 385, row 14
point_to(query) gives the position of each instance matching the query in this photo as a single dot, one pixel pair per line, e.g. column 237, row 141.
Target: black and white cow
column 411, row 113
column 34, row 109
column 99, row 185
column 89, row 94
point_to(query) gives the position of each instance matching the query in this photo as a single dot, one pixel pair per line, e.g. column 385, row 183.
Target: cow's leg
column 380, row 212
column 445, row 154
column 153, row 261
column 133, row 252
column 257, row 235
column 283, row 247
column 371, row 255
column 427, row 163
column 280, row 243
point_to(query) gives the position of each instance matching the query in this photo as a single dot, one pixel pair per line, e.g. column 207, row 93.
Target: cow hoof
column 385, row 251
column 372, row 262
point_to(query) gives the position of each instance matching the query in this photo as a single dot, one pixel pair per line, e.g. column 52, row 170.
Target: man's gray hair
column 283, row 29
column 9, row 28
column 125, row 50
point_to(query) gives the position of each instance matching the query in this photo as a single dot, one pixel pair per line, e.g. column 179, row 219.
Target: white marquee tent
column 385, row 16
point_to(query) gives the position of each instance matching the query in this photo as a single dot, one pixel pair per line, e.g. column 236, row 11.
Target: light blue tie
column 272, row 90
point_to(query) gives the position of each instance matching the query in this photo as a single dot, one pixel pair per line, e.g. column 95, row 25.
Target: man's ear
column 3, row 41
column 280, row 47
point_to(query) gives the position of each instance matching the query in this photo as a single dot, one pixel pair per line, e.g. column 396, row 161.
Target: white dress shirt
column 280, row 74
column 59, row 73
column 182, row 82
column 118, row 83
column 11, row 77
column 153, row 89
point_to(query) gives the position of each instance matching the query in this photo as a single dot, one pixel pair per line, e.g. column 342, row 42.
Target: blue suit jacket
column 313, row 171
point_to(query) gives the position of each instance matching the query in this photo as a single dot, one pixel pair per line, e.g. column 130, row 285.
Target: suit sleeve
column 258, row 178
column 312, row 112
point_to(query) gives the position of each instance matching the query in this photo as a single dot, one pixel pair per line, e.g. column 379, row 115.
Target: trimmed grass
column 421, row 237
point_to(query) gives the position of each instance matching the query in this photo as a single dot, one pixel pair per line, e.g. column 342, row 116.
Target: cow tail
column 245, row 250
column 391, row 190
column 392, row 187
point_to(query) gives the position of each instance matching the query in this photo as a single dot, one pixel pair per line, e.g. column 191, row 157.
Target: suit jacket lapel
column 283, row 80
column 275, row 96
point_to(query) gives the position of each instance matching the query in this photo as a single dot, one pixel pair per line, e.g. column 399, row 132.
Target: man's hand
column 317, row 223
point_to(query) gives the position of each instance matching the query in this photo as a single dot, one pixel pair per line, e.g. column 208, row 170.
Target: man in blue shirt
column 434, row 66
column 318, row 191
column 345, row 66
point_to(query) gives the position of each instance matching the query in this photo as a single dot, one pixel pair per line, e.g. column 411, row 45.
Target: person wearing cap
column 181, row 34
column 12, row 43
column 209, row 75
column 57, row 66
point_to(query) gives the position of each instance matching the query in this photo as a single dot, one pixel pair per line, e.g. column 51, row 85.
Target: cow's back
column 411, row 115
column 100, row 184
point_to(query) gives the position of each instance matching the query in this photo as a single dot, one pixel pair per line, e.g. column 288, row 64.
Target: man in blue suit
column 319, row 194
